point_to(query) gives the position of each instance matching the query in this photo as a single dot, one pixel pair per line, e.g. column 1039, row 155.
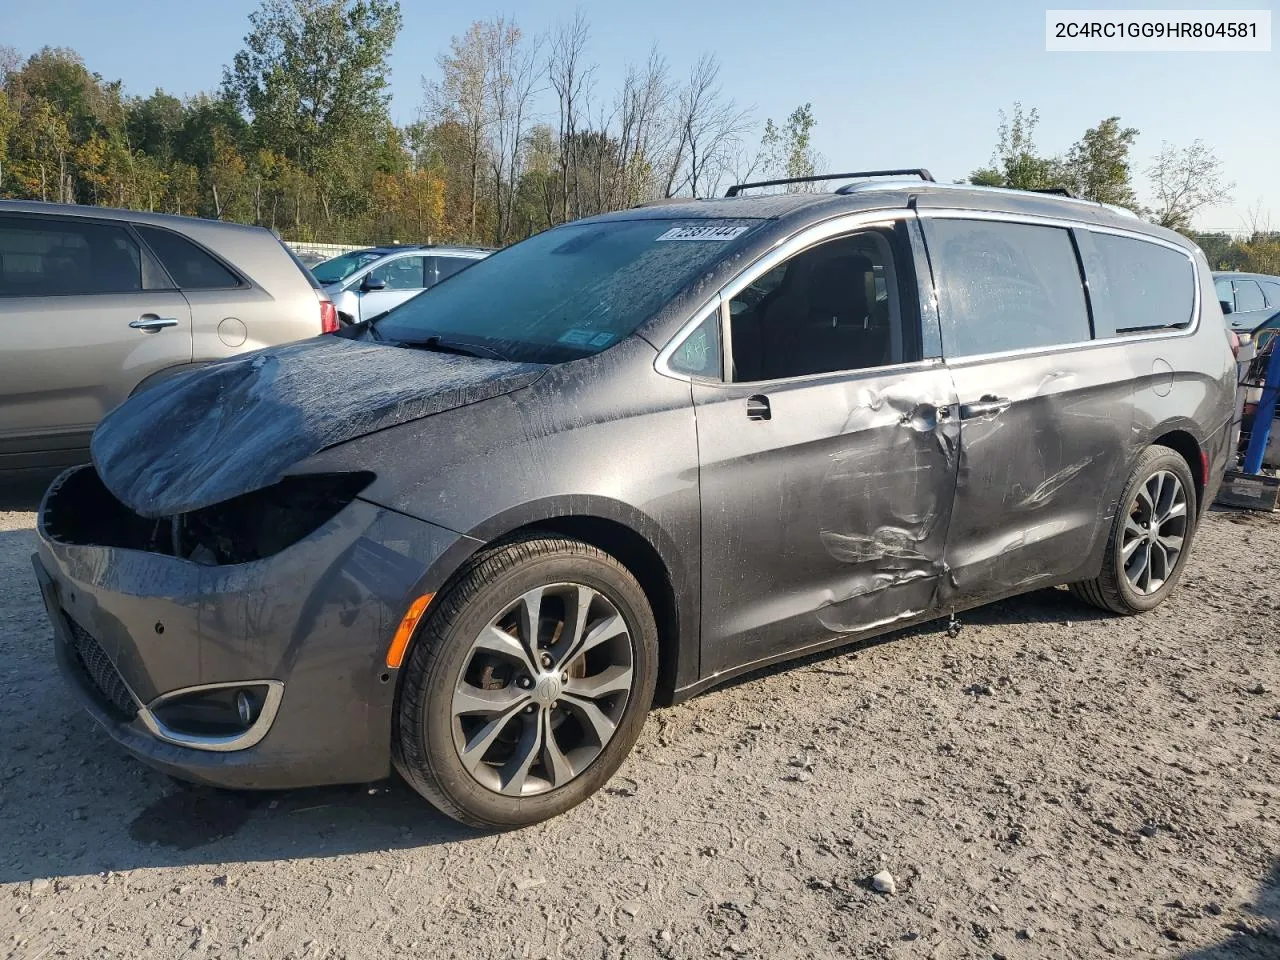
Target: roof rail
column 899, row 185
column 1055, row 191
column 920, row 172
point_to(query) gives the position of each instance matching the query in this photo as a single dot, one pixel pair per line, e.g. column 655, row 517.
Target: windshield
column 339, row 268
column 567, row 293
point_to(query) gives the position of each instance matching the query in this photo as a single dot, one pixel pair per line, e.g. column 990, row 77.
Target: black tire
column 423, row 747
column 1112, row 590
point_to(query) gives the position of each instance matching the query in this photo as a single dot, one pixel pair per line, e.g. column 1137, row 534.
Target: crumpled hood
column 238, row 425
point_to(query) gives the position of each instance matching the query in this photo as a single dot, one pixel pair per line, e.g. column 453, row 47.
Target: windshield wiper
column 439, row 345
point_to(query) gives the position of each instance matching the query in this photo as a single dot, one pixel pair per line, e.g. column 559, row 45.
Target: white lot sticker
column 703, row 233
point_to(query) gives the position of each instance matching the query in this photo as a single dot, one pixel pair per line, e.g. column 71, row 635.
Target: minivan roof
column 897, row 193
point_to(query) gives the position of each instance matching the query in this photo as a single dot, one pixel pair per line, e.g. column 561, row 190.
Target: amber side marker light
column 400, row 643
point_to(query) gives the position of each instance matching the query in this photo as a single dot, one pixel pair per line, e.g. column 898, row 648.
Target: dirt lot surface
column 1048, row 783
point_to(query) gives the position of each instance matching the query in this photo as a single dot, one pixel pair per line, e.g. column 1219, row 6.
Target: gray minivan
column 625, row 460
column 97, row 304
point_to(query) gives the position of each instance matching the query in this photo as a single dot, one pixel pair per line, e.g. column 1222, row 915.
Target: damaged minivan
column 623, row 461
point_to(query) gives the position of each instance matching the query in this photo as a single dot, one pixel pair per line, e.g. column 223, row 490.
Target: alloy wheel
column 1154, row 532
column 542, row 689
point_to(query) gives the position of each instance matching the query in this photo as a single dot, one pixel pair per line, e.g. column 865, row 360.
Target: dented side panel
column 827, row 519
column 1035, row 485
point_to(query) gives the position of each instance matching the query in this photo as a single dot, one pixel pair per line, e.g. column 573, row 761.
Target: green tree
column 153, row 124
column 787, row 151
column 1097, row 167
column 314, row 75
column 1015, row 162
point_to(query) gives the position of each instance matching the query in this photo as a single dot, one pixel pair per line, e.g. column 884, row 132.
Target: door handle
column 153, row 324
column 758, row 408
column 988, row 406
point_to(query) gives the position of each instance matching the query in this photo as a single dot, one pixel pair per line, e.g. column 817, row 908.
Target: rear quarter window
column 1005, row 286
column 190, row 267
column 1138, row 286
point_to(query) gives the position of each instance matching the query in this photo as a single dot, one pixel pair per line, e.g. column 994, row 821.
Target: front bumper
column 314, row 621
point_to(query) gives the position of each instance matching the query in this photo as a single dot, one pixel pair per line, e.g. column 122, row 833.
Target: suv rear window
column 1137, row 285
column 190, row 267
column 57, row 256
column 1005, row 286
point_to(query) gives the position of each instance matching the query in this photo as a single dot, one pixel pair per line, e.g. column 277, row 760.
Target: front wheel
column 527, row 685
column 1150, row 538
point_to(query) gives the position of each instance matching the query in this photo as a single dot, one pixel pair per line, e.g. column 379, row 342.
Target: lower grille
column 102, row 672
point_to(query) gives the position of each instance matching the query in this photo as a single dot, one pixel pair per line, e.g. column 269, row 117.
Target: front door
column 1044, row 414
column 404, row 277
column 827, row 455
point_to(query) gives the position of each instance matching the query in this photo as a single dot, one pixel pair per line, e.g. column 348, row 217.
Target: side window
column 1005, row 286
column 54, row 257
column 833, row 307
column 405, row 273
column 448, row 266
column 699, row 355
column 1272, row 292
column 190, row 267
column 1138, row 286
column 1249, row 296
column 1222, row 287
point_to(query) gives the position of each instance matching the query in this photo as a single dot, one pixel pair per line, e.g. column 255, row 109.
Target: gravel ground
column 1049, row 783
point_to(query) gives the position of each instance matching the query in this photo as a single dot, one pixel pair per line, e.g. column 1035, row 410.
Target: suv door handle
column 151, row 324
column 758, row 408
column 989, row 405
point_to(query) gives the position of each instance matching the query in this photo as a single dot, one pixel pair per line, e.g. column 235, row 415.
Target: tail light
column 328, row 316
column 1235, row 343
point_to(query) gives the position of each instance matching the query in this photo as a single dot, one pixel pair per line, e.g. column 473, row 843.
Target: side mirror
column 372, row 282
column 1226, row 307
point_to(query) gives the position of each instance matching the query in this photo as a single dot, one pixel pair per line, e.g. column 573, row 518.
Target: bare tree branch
column 1186, row 180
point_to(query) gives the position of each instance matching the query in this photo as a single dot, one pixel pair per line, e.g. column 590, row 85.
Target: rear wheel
column 528, row 684
column 1150, row 537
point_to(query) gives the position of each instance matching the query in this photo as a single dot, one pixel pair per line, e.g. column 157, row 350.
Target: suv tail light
column 1235, row 343
column 328, row 316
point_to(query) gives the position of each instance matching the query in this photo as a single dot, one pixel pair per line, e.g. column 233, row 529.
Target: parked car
column 1249, row 300
column 367, row 283
column 310, row 260
column 581, row 476
column 99, row 304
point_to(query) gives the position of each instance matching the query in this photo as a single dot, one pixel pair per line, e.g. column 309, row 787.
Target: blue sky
column 892, row 84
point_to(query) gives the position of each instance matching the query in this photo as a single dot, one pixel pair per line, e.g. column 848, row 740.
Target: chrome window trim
column 782, row 249
column 832, row 376
column 1066, row 223
column 225, row 744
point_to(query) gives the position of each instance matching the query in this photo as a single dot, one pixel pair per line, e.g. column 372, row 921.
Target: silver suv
column 364, row 284
column 97, row 304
